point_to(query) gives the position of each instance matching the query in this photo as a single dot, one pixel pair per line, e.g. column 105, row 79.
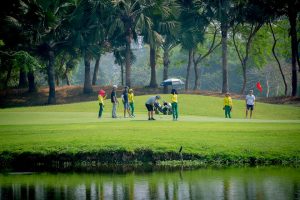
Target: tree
column 223, row 11
column 169, row 43
column 29, row 64
column 44, row 25
column 87, row 33
column 291, row 9
column 65, row 63
column 14, row 21
column 246, row 34
column 120, row 60
column 193, row 19
column 203, row 54
column 162, row 18
column 131, row 19
column 276, row 58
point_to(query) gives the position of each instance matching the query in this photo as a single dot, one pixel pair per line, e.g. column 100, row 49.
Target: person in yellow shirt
column 131, row 101
column 174, row 103
column 101, row 98
column 227, row 105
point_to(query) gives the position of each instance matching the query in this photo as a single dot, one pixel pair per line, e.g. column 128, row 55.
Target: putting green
column 272, row 134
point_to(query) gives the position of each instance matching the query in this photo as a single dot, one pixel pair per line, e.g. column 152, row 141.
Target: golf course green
column 73, row 133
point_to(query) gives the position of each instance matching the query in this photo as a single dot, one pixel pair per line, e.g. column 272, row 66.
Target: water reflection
column 245, row 183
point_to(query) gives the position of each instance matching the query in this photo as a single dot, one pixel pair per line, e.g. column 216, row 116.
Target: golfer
column 114, row 101
column 125, row 102
column 174, row 102
column 250, row 102
column 131, row 101
column 150, row 104
column 227, row 105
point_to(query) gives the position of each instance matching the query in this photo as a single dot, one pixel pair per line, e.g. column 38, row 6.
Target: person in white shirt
column 250, row 102
column 150, row 104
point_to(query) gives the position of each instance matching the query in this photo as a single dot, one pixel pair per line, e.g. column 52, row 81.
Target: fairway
column 273, row 133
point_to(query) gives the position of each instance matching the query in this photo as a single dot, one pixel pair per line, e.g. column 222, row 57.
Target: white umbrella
column 172, row 81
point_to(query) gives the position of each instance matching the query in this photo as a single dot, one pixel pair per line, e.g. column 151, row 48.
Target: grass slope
column 273, row 134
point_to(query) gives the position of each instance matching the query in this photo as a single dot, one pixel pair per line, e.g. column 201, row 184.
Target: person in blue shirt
column 126, row 102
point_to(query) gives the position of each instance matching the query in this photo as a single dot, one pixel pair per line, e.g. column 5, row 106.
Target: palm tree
column 162, row 16
column 120, row 60
column 87, row 31
column 224, row 13
column 170, row 42
column 131, row 18
column 45, row 28
column 192, row 29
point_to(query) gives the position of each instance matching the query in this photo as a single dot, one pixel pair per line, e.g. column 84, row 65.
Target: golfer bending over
column 149, row 105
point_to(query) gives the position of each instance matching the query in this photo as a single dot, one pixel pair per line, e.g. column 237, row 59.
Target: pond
column 209, row 183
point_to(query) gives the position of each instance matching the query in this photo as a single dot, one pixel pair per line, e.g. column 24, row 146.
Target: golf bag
column 165, row 109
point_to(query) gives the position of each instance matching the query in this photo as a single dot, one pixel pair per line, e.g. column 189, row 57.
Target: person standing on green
column 101, row 98
column 131, row 101
column 114, row 101
column 227, row 105
column 250, row 102
column 174, row 102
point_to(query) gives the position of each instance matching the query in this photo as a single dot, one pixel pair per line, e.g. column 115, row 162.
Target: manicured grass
column 273, row 134
column 201, row 138
column 195, row 105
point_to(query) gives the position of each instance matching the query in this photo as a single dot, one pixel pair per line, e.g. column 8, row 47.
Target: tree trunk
column 224, row 29
column 122, row 74
column 87, row 88
column 51, row 79
column 197, row 75
column 8, row 77
column 268, row 87
column 31, row 83
column 96, row 70
column 56, row 79
column 67, row 78
column 292, row 19
column 153, row 82
column 244, row 78
column 23, row 83
column 196, row 70
column 277, row 60
column 128, row 65
column 188, row 69
column 166, row 68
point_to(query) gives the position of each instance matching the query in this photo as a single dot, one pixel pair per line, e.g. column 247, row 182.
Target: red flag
column 258, row 86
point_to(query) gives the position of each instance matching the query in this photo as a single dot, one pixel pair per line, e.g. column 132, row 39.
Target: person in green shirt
column 174, row 103
column 227, row 105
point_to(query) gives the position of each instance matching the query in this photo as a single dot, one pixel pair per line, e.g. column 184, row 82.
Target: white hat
column 115, row 86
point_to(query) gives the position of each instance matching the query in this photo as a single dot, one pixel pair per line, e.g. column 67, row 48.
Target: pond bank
column 95, row 160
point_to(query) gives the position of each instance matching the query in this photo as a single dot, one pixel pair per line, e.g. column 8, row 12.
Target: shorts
column 126, row 105
column 149, row 107
column 250, row 107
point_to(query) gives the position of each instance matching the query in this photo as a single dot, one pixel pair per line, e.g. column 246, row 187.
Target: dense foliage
column 229, row 44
